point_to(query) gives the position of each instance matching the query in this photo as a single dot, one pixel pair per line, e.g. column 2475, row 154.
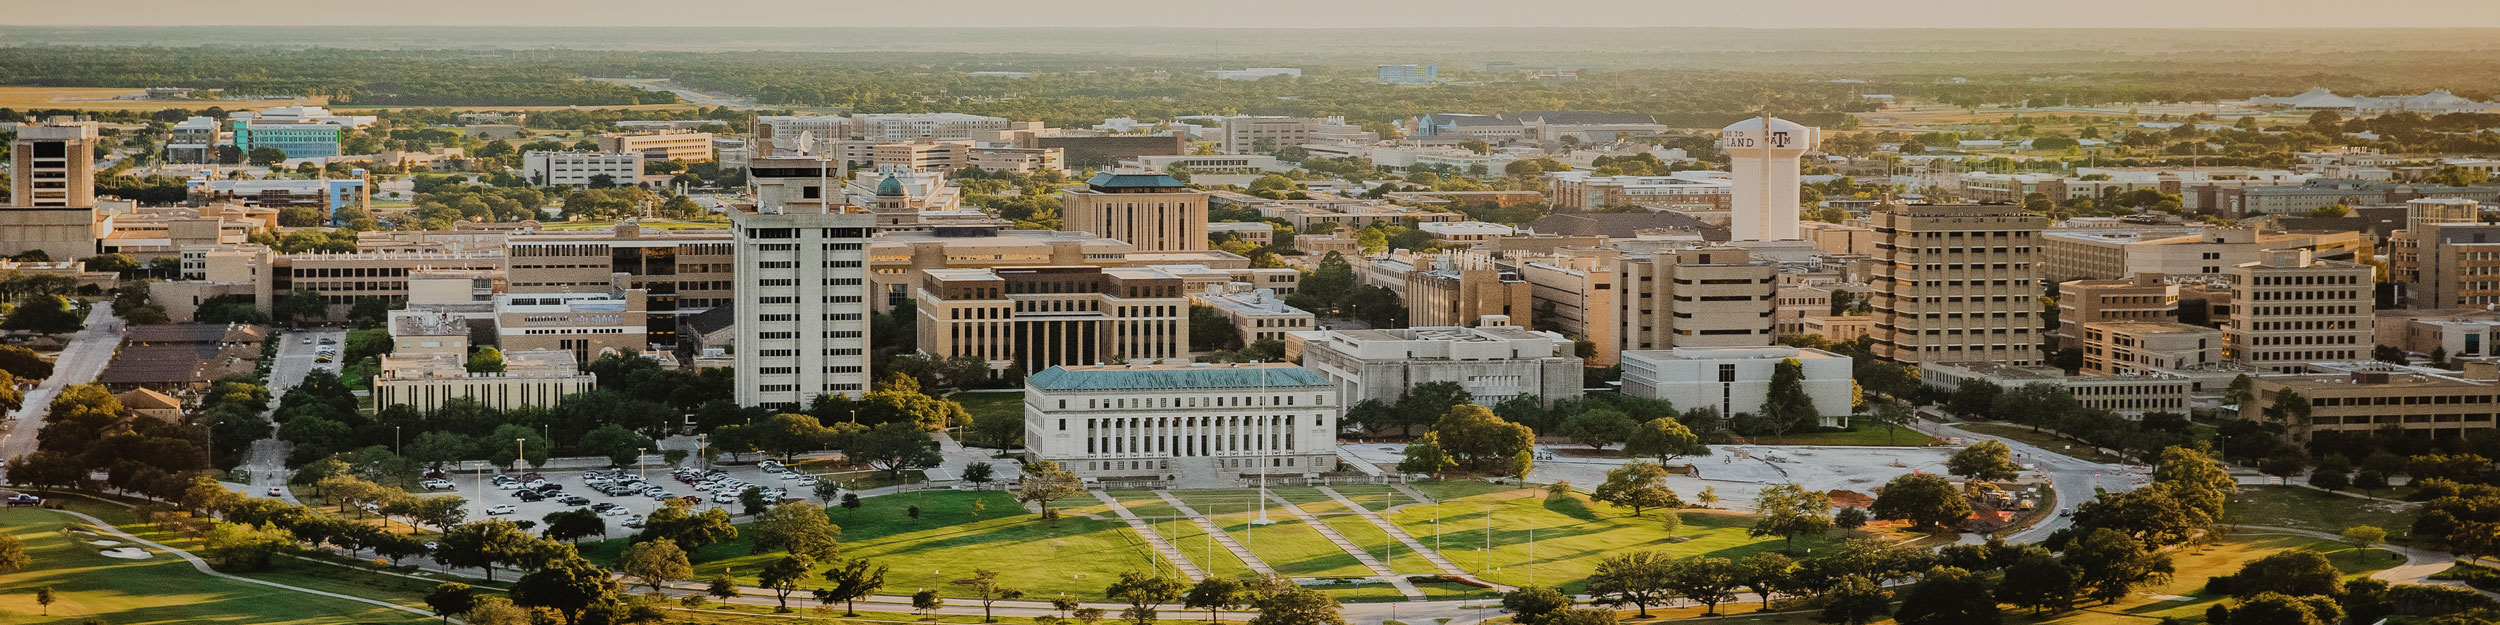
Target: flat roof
column 1128, row 377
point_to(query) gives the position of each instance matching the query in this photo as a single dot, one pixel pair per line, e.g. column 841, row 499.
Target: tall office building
column 2445, row 257
column 802, row 304
column 2293, row 309
column 1957, row 284
column 52, row 193
column 1763, row 155
column 1697, row 297
column 1151, row 211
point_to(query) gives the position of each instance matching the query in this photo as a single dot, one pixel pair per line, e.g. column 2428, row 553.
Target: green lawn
column 1572, row 535
column 2194, row 565
column 1860, row 434
column 987, row 406
column 949, row 541
column 1364, row 534
column 161, row 589
column 2042, row 439
column 1291, row 547
column 2302, row 508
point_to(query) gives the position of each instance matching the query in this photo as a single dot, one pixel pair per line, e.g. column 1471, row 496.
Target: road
column 79, row 363
column 2077, row 480
column 688, row 95
column 297, row 350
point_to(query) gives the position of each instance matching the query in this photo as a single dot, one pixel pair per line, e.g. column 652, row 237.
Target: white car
column 507, row 486
column 616, row 511
column 724, row 498
column 806, row 480
column 500, row 509
column 436, row 484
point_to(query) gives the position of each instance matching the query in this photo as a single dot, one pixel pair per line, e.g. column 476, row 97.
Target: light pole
column 702, row 449
column 520, row 451
column 642, row 472
column 395, row 448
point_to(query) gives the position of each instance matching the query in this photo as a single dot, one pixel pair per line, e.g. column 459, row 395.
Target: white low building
column 1195, row 425
column 1493, row 361
column 580, row 169
column 1736, row 380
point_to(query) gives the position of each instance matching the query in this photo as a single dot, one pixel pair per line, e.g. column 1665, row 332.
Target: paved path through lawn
column 1394, row 531
column 1221, row 537
column 1378, row 570
column 2417, row 569
column 203, row 567
column 1152, row 539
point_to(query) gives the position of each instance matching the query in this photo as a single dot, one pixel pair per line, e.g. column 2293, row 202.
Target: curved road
column 79, row 363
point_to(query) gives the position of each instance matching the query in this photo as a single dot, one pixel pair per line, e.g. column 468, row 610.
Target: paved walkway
column 1447, row 567
column 1152, row 538
column 1221, row 537
column 1380, row 571
column 2417, row 569
column 202, row 566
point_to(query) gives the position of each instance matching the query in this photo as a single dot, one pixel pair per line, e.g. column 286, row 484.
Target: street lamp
column 521, row 454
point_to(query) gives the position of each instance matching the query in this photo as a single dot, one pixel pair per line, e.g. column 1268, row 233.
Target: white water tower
column 1763, row 206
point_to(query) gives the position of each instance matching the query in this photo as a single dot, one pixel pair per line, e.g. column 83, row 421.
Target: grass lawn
column 949, row 541
column 987, row 406
column 2042, row 439
column 1369, row 537
column 2187, row 588
column 1571, row 535
column 161, row 589
column 1859, row 435
column 2302, row 508
column 1290, row 546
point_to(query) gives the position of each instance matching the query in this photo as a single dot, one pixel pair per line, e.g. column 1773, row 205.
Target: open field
column 1572, row 534
column 160, row 589
column 101, row 99
column 949, row 540
column 2302, row 508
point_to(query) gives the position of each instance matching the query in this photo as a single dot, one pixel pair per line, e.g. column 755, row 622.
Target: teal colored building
column 297, row 140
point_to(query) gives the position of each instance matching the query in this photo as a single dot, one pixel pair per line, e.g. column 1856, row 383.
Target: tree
column 451, row 598
column 1637, row 578
column 44, row 597
column 1045, row 481
column 265, row 156
column 984, row 584
column 655, row 562
column 1425, row 456
column 1669, row 521
column 300, row 304
column 1925, row 500
column 2330, row 479
column 1787, row 406
column 1088, row 616
column 1598, row 428
column 1855, row 600
column 1143, row 592
column 752, row 503
column 1215, row 594
column 43, row 314
column 486, row 360
column 797, row 527
column 1765, row 573
column 13, row 556
column 1949, row 596
column 1665, row 439
column 567, row 585
column 1473, row 435
column 244, row 546
column 1429, row 402
column 1297, row 606
column 1849, row 519
column 1787, row 510
column 980, row 474
column 722, row 588
column 894, row 448
column 1988, row 460
column 1639, row 485
column 782, row 576
column 2363, row 536
column 480, row 545
column 2296, row 572
column 574, row 525
column 854, row 579
column 2039, row 582
column 1709, row 497
column 926, row 601
column 1531, row 606
column 2107, row 564
column 1705, row 580
column 2281, row 609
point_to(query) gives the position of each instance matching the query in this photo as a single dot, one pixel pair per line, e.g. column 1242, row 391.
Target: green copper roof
column 1132, row 180
column 1115, row 379
column 891, row 186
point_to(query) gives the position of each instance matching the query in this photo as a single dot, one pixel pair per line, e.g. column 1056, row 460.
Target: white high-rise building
column 802, row 305
column 1763, row 206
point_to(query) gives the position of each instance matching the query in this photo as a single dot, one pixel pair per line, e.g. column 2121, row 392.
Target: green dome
column 891, row 186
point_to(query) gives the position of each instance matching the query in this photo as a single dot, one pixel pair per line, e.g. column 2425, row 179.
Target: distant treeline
column 396, row 78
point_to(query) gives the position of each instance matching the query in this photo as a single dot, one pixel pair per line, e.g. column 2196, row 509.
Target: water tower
column 1763, row 206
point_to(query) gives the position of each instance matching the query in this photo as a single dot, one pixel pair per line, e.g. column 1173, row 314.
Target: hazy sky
column 1279, row 13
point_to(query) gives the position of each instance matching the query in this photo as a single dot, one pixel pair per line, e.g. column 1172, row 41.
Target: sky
column 1279, row 13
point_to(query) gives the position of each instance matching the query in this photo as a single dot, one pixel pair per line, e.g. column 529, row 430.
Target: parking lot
column 489, row 499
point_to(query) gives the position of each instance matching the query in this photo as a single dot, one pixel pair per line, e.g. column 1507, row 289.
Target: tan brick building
column 2144, row 297
column 1695, row 297
column 1153, row 212
column 2291, row 309
column 1032, row 318
column 2370, row 396
column 1956, row 283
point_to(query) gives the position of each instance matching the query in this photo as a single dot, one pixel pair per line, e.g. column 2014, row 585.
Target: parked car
column 531, row 495
column 23, row 499
column 277, row 492
column 724, row 498
column 634, row 522
column 615, row 512
column 500, row 509
column 573, row 500
column 436, row 484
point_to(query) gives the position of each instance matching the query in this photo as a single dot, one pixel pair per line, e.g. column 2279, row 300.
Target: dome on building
column 890, row 186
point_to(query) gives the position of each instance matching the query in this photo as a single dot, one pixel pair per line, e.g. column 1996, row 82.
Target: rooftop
column 1195, row 376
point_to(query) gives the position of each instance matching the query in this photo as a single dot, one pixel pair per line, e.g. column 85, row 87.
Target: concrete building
column 2445, row 257
column 581, row 169
column 1576, row 296
column 792, row 135
column 1410, row 74
column 1033, row 318
column 1462, row 288
column 2292, row 309
column 1245, row 134
column 1956, row 284
column 2460, row 333
column 1256, row 314
column 1193, row 425
column 1493, row 361
column 2145, row 297
column 1153, row 212
column 1736, row 380
column 2129, row 396
column 194, row 141
column 1466, row 232
column 298, row 139
column 802, row 304
column 52, row 205
column 2109, row 253
column 2367, row 396
column 331, row 195
column 540, row 379
column 1763, row 155
column 2133, row 347
column 691, row 147
column 1713, row 296
column 907, row 126
column 684, row 272
column 587, row 326
column 1689, row 192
